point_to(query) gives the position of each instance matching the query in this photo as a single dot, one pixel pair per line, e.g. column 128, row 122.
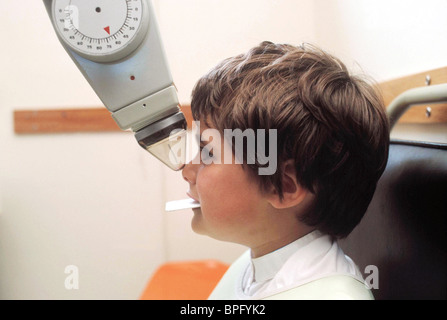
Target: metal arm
column 423, row 95
column 117, row 46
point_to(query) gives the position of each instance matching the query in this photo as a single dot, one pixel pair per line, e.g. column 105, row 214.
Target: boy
column 332, row 138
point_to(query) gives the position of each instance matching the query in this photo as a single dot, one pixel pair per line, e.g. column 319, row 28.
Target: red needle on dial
column 107, row 29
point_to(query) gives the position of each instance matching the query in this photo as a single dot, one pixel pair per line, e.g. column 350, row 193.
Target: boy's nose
column 189, row 172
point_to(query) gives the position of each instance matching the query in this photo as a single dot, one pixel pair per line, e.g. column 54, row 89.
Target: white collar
column 311, row 257
column 267, row 266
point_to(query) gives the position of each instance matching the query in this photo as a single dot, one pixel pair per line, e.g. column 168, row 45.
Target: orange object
column 184, row 280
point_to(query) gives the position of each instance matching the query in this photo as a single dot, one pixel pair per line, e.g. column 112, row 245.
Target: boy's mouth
column 193, row 198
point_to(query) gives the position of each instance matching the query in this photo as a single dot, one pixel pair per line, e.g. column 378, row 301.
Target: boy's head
column 331, row 126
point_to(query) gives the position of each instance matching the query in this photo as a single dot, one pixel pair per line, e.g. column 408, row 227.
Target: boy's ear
column 293, row 193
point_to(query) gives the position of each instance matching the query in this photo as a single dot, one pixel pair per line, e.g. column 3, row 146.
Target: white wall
column 96, row 200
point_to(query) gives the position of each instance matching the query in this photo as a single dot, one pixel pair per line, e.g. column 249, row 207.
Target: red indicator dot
column 132, row 78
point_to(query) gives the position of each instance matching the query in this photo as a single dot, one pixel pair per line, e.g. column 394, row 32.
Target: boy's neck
column 276, row 243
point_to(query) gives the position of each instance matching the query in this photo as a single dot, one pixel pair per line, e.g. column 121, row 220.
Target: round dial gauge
column 101, row 30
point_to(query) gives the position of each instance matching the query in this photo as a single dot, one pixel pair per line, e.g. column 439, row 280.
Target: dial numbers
column 100, row 30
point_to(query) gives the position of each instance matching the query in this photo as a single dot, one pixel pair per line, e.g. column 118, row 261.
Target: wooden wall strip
column 64, row 120
column 186, row 109
column 70, row 120
column 420, row 114
column 100, row 120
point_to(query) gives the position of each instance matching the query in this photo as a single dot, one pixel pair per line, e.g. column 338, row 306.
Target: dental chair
column 403, row 232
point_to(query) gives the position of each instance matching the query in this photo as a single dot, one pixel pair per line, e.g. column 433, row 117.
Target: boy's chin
column 197, row 223
column 197, row 210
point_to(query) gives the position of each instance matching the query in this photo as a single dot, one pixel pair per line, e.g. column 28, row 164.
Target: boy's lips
column 192, row 197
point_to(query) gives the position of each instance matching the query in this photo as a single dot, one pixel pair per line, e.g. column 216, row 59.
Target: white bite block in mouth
column 182, row 205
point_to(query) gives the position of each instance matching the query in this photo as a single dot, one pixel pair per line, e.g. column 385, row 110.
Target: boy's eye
column 205, row 154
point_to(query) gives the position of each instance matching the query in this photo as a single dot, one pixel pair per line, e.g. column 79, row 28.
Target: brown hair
column 332, row 124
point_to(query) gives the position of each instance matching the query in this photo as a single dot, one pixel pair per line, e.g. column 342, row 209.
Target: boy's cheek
column 209, row 180
column 223, row 188
column 204, row 182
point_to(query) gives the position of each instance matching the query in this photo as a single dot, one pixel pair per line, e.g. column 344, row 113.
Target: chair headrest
column 403, row 232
